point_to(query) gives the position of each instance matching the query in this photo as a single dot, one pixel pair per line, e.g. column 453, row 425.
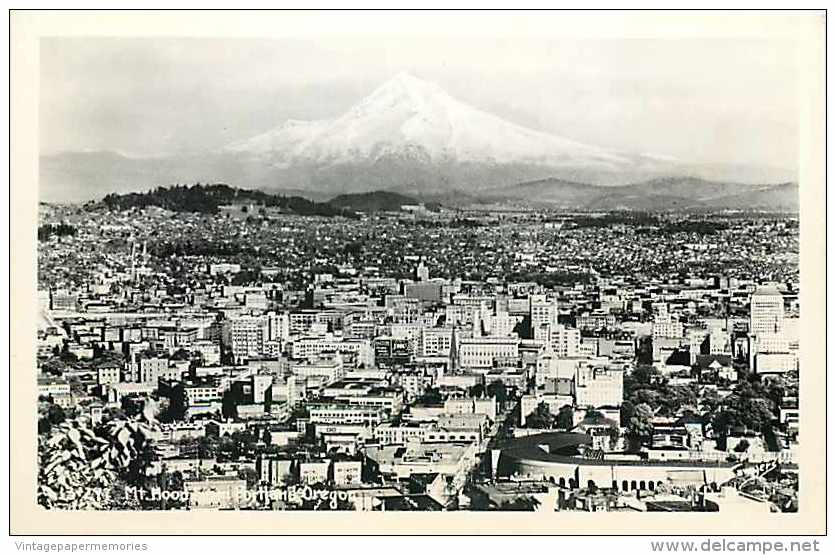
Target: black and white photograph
column 492, row 273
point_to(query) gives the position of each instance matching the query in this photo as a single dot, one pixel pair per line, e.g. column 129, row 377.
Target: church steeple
column 454, row 350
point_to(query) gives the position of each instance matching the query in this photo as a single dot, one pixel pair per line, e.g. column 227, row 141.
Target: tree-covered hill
column 208, row 198
column 374, row 201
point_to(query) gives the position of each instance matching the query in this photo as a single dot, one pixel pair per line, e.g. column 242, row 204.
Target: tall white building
column 565, row 342
column 542, row 311
column 501, row 323
column 151, row 369
column 247, row 335
column 435, row 342
column 664, row 326
column 769, row 347
column 278, row 326
column 766, row 311
column 210, row 351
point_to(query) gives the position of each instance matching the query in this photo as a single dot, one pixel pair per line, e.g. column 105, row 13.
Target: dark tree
column 499, row 391
column 541, row 418
column 477, row 390
column 229, row 405
column 178, row 405
column 566, row 417
column 640, row 426
column 628, row 409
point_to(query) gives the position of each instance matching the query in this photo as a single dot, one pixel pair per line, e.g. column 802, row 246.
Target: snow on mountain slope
column 285, row 138
column 410, row 118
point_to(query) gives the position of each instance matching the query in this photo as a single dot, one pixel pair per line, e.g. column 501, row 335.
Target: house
column 431, row 484
column 603, row 431
column 714, row 368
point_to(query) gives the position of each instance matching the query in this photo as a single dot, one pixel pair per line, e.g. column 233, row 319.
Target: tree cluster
column 542, row 418
column 59, row 230
column 207, row 199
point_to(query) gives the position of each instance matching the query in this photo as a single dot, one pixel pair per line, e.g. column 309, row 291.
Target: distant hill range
column 411, row 137
column 656, row 195
column 667, row 193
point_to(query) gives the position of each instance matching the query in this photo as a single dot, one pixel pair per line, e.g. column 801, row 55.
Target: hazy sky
column 724, row 101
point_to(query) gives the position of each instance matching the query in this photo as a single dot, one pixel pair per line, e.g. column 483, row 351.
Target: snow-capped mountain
column 408, row 135
column 409, row 118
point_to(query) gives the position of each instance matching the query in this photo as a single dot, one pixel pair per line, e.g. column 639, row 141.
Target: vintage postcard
column 418, row 272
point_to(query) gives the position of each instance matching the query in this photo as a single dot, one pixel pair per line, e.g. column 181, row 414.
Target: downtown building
column 769, row 341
